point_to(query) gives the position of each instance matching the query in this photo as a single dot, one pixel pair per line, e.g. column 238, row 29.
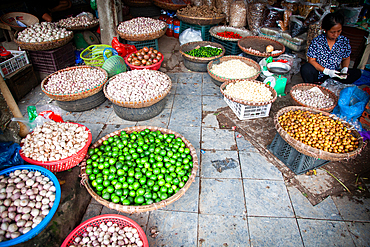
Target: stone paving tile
column 354, row 209
column 45, row 100
column 209, row 88
column 174, row 76
column 206, row 77
column 360, row 233
column 169, row 100
column 109, row 128
column 32, row 98
column 210, row 120
column 161, row 120
column 267, row 198
column 304, row 209
column 254, row 165
column 114, row 119
column 324, row 233
column 95, row 130
column 190, row 77
column 186, row 111
column 192, row 134
column 218, row 139
column 189, row 87
column 97, row 115
column 175, row 228
column 71, row 116
column 92, row 211
column 209, row 171
column 221, row 197
column 223, row 230
column 212, row 103
column 265, row 231
column 140, row 218
column 188, row 202
column 243, row 144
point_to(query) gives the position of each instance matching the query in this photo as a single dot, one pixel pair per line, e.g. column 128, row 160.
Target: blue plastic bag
column 351, row 103
column 364, row 79
column 9, row 155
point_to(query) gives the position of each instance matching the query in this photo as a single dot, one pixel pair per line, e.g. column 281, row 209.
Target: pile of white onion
column 141, row 25
column 44, row 32
column 249, row 91
column 109, row 234
column 26, row 198
column 54, row 141
column 138, row 85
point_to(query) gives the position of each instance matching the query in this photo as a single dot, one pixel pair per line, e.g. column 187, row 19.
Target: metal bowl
column 278, row 68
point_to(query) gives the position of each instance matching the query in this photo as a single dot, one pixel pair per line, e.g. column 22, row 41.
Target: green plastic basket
column 114, row 64
column 93, row 55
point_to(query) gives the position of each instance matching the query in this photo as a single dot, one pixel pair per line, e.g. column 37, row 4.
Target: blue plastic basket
column 35, row 231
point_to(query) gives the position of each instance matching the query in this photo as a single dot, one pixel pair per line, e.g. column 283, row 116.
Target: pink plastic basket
column 155, row 66
column 120, row 220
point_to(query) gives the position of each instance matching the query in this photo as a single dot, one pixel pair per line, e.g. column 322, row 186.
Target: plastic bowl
column 155, row 66
column 64, row 164
column 35, row 231
column 122, row 221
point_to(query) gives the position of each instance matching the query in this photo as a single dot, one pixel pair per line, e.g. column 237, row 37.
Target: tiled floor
column 249, row 205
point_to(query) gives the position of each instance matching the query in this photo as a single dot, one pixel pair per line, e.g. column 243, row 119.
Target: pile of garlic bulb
column 43, row 32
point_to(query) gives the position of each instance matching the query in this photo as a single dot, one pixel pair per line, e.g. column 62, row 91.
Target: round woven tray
column 200, row 20
column 142, row 37
column 168, row 6
column 154, row 206
column 219, row 29
column 314, row 152
column 138, row 3
column 245, row 60
column 81, row 28
column 244, row 102
column 307, row 86
column 43, row 46
column 140, row 104
column 191, row 45
column 79, row 95
column 259, row 43
column 10, row 19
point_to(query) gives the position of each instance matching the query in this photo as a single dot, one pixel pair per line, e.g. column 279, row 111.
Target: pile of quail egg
column 313, row 98
column 43, row 32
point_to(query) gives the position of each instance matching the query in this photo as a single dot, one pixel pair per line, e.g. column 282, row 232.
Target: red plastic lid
column 5, row 53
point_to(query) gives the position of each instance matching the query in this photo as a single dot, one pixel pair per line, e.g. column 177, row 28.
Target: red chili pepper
column 229, row 34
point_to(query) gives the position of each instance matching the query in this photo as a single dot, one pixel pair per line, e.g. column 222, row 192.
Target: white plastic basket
column 244, row 112
column 18, row 60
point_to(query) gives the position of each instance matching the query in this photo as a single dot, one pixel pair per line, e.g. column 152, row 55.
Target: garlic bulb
column 43, row 32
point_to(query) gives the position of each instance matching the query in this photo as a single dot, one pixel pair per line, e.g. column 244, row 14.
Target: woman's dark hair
column 332, row 19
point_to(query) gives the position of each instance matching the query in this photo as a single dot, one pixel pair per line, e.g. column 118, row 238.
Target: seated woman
column 327, row 52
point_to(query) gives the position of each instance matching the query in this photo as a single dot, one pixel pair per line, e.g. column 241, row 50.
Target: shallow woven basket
column 219, row 29
column 245, row 60
column 80, row 28
column 145, row 208
column 191, row 45
column 142, row 37
column 138, row 3
column 314, row 152
column 307, row 86
column 140, row 104
column 259, row 43
column 200, row 20
column 43, row 46
column 244, row 102
column 10, row 19
column 168, row 6
column 76, row 96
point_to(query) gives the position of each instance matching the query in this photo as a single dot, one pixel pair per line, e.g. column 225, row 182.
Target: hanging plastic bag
column 335, row 86
column 238, row 14
column 9, row 155
column 272, row 15
column 190, row 35
column 296, row 26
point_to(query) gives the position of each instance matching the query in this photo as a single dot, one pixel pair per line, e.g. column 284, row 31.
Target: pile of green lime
column 139, row 168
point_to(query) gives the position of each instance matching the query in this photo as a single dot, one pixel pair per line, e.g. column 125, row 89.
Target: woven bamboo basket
column 307, row 86
column 138, row 3
column 11, row 18
column 219, row 29
column 168, row 6
column 81, row 28
column 245, row 60
column 314, row 152
column 259, row 44
column 145, row 208
column 244, row 102
column 202, row 21
column 192, row 45
column 140, row 104
column 43, row 46
column 76, row 96
column 142, row 37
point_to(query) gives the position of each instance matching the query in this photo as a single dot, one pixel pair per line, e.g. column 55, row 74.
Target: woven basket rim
column 78, row 28
column 200, row 43
column 314, row 152
column 259, row 54
column 141, row 37
column 86, row 92
column 311, row 85
column 14, row 12
column 194, row 20
column 145, row 208
column 227, row 58
column 43, row 46
column 40, row 43
column 169, row 6
column 243, row 31
column 244, row 102
column 140, row 104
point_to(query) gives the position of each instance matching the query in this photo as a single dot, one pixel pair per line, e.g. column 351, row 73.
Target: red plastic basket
column 120, row 220
column 155, row 66
column 64, row 164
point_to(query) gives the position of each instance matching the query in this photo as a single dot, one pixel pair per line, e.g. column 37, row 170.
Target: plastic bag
column 190, row 35
column 364, row 79
column 296, row 26
column 197, row 2
column 255, row 15
column 335, row 86
column 313, row 17
column 272, row 16
column 351, row 103
column 9, row 155
column 224, row 6
column 210, row 3
column 238, row 14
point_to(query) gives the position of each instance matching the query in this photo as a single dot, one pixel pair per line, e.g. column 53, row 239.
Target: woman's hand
column 331, row 73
